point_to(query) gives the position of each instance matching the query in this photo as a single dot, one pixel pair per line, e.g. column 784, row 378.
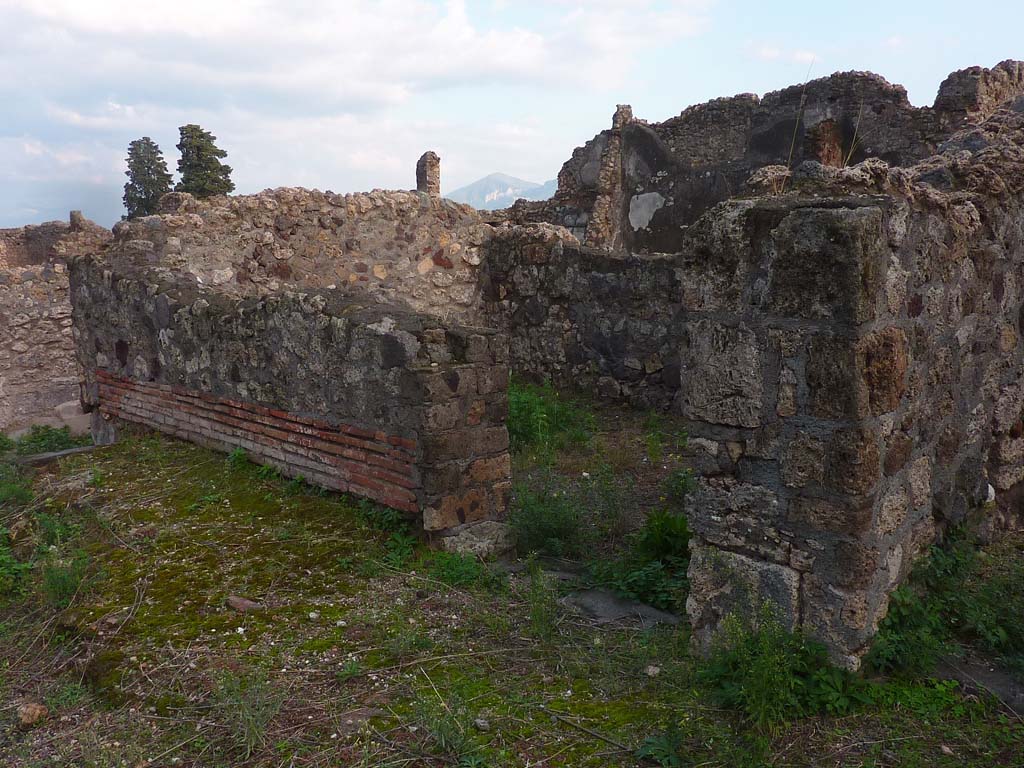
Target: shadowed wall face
column 373, row 400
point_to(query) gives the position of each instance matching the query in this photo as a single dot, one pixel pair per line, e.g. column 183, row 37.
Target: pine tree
column 148, row 178
column 202, row 172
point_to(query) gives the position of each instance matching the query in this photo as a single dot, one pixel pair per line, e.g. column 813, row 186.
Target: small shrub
column 653, row 571
column 540, row 418
column 44, row 439
column 246, row 705
column 6, row 444
column 911, row 637
column 773, row 675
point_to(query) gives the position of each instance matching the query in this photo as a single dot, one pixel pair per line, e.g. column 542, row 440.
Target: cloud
column 309, row 91
column 774, row 53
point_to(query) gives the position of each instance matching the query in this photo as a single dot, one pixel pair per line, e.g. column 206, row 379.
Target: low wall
column 369, row 399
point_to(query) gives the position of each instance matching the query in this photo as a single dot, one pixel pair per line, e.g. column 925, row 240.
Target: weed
column 268, row 472
column 204, row 501
column 664, row 748
column 677, row 486
column 44, row 439
column 238, row 459
column 351, row 668
column 67, row 696
column 773, row 675
column 447, row 725
column 458, row 570
column 657, row 439
column 399, row 549
column 6, row 444
column 14, row 489
column 12, row 572
column 653, row 571
column 53, row 530
column 62, row 579
column 541, row 418
column 958, row 593
column 379, row 517
column 247, row 704
column 546, row 519
column 542, row 604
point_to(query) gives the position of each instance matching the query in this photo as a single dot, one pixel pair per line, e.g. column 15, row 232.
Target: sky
column 346, row 95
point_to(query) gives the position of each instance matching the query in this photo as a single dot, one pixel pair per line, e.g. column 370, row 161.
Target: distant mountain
column 500, row 190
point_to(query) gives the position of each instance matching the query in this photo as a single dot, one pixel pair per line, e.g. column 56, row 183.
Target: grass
column 424, row 659
column 44, row 439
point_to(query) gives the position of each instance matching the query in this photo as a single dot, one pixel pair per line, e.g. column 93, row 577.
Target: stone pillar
column 428, row 174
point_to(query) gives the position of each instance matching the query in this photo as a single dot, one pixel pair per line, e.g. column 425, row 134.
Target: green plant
column 541, row 418
column 351, row 668
column 14, row 488
column 664, row 748
column 543, row 606
column 6, row 444
column 677, row 486
column 399, row 549
column 247, row 704
column 653, row 570
column 68, row 695
column 446, row 724
column 238, row 459
column 62, row 579
column 546, row 518
column 268, row 472
column 459, row 570
column 44, row 439
column 379, row 517
column 12, row 572
column 54, row 530
column 773, row 675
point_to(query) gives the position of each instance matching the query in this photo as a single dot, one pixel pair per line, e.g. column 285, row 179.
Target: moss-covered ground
column 364, row 649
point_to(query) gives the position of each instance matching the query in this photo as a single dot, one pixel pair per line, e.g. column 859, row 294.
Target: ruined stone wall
column 414, row 248
column 635, row 186
column 355, row 396
column 846, row 357
column 585, row 318
column 37, row 368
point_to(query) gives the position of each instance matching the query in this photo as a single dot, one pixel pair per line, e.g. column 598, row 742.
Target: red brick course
column 344, row 457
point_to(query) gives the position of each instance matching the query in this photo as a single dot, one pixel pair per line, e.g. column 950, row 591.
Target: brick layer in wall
column 343, row 457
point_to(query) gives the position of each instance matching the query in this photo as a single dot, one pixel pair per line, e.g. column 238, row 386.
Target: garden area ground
column 166, row 605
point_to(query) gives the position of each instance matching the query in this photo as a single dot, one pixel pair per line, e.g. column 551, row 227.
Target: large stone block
column 725, row 584
column 723, row 374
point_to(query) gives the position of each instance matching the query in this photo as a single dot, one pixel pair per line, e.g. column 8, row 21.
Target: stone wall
column 37, row 368
column 414, row 248
column 846, row 356
column 638, row 185
column 356, row 396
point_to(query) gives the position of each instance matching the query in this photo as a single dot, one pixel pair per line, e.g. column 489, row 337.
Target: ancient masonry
column 826, row 284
